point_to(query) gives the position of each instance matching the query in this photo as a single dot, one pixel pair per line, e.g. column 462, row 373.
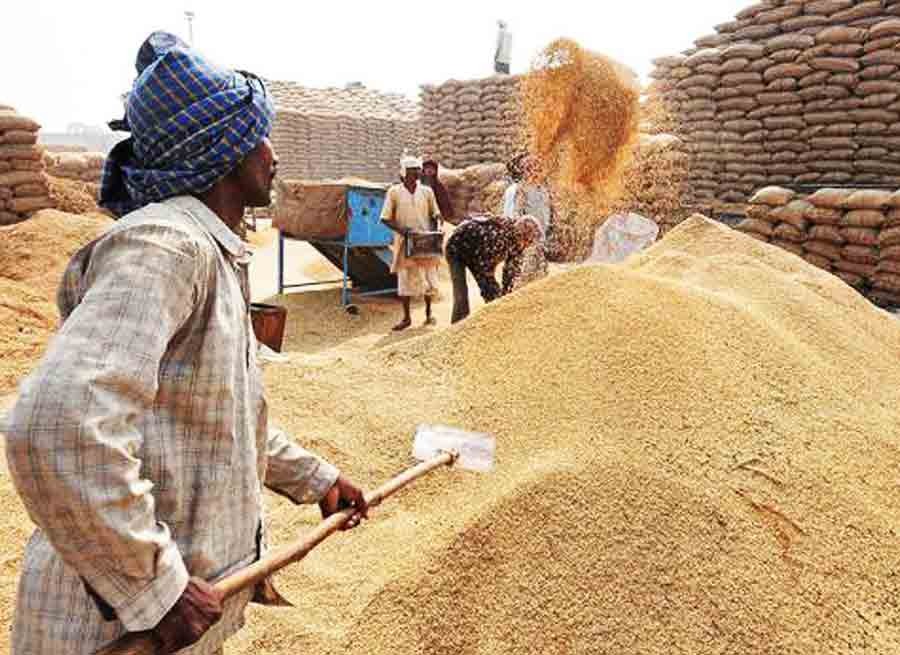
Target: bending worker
column 412, row 206
column 480, row 245
column 141, row 443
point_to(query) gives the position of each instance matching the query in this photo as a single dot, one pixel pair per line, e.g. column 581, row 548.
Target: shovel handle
column 282, row 557
column 145, row 643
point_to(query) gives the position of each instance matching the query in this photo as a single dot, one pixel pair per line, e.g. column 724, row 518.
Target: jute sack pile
column 23, row 184
column 789, row 94
column 471, row 122
column 336, row 133
column 852, row 233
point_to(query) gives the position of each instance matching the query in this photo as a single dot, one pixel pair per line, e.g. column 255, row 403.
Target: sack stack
column 853, row 233
column 23, row 185
column 78, row 166
column 471, row 122
column 337, row 133
column 475, row 190
column 790, row 93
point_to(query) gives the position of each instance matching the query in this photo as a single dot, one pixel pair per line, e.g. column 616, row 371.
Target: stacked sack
column 23, row 185
column 476, row 189
column 78, row 166
column 853, row 233
column 790, row 93
column 335, row 133
column 473, row 122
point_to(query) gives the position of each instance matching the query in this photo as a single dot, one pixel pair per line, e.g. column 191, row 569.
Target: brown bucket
column 268, row 324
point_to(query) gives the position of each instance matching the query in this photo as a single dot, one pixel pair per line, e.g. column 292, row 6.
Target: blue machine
column 363, row 254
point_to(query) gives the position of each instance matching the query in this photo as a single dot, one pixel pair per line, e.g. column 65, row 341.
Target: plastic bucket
column 268, row 324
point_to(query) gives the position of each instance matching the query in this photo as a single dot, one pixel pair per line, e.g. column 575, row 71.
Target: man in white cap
column 411, row 206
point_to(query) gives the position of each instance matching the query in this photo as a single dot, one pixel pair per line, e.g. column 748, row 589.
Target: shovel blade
column 476, row 450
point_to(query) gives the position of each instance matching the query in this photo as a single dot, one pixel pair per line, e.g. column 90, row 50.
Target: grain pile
column 23, row 185
column 73, row 196
column 465, row 123
column 721, row 480
column 580, row 119
column 79, row 166
column 853, row 233
column 33, row 255
column 335, row 133
column 790, row 93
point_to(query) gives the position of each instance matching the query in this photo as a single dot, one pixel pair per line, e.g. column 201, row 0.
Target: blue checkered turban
column 191, row 124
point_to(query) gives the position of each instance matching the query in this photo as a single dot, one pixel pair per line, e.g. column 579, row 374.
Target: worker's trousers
column 460, row 290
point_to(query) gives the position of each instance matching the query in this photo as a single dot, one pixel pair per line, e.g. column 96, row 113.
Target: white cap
column 407, row 162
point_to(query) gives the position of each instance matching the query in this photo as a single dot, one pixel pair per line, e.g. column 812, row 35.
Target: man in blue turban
column 141, row 443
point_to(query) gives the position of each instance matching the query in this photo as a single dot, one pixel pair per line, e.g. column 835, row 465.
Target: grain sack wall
column 472, row 122
column 853, row 233
column 789, row 93
column 23, row 184
column 335, row 133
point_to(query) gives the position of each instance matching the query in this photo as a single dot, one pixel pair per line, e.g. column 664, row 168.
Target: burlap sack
column 888, row 266
column 863, row 270
column 832, row 92
column 31, row 191
column 881, row 57
column 827, row 249
column 782, row 85
column 773, row 196
column 818, row 261
column 867, row 199
column 817, row 78
column 735, row 65
column 861, row 254
column 846, row 50
column 868, row 218
column 784, row 123
column 830, row 198
column 827, row 233
column 15, row 178
column 749, row 51
column 794, row 214
column 835, row 64
column 879, row 101
column 29, row 205
column 889, row 253
column 861, row 236
column 890, row 27
column 11, row 121
column 762, row 213
column 806, row 22
column 752, row 225
column 888, row 238
column 758, row 32
column 787, row 232
column 884, row 43
column 859, row 11
column 886, row 282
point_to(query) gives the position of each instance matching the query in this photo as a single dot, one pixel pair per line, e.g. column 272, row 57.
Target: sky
column 69, row 62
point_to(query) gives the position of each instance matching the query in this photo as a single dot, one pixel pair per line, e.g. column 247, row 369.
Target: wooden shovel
column 146, row 643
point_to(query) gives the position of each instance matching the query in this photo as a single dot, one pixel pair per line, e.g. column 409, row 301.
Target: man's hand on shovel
column 344, row 494
column 195, row 612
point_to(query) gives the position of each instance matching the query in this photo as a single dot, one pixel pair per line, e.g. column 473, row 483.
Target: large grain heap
column 33, row 255
column 335, row 133
column 706, row 464
column 790, row 93
column 465, row 123
column 23, row 185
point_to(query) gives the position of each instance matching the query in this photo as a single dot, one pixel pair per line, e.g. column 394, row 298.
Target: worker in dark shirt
column 480, row 245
